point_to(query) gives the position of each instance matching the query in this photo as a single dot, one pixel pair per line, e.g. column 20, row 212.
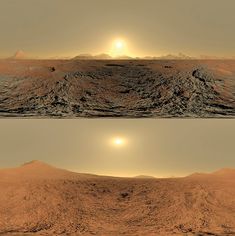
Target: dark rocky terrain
column 38, row 199
column 108, row 88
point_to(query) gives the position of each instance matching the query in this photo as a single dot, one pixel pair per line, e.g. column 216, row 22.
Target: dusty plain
column 38, row 199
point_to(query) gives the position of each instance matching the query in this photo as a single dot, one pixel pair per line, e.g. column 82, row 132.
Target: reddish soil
column 39, row 199
column 108, row 88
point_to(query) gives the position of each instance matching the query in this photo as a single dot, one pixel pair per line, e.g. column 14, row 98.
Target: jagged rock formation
column 40, row 199
column 117, row 88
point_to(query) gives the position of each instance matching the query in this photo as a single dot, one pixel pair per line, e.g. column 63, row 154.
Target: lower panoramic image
column 117, row 177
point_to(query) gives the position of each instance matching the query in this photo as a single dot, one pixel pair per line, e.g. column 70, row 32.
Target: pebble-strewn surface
column 37, row 199
column 137, row 88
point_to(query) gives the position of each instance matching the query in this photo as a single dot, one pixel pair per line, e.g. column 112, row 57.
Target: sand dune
column 124, row 88
column 39, row 199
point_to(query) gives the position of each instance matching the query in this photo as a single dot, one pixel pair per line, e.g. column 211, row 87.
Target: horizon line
column 39, row 163
column 21, row 55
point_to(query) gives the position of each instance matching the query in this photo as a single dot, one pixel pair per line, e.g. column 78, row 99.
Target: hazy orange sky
column 161, row 147
column 150, row 27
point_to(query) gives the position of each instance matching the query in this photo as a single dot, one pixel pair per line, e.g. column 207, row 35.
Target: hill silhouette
column 19, row 55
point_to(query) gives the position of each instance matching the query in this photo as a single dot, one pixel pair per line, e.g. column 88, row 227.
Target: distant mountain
column 144, row 177
column 123, row 57
column 147, row 58
column 222, row 173
column 180, row 56
column 102, row 56
column 225, row 172
column 83, row 57
column 34, row 170
column 209, row 57
column 19, row 55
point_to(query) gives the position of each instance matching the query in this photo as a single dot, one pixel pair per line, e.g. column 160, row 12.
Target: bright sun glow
column 119, row 44
column 119, row 48
column 118, row 141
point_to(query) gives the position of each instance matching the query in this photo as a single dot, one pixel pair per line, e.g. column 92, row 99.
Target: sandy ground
column 131, row 88
column 37, row 199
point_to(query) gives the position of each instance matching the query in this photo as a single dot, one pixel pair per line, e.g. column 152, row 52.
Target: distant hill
column 222, row 173
column 19, row 55
column 225, row 172
column 103, row 56
column 83, row 57
column 33, row 170
column 124, row 57
column 91, row 57
column 180, row 56
column 144, row 177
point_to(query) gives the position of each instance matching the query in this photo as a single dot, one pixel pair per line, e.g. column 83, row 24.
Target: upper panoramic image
column 127, row 59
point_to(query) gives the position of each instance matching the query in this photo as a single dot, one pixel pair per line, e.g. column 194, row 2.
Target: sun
column 118, row 141
column 119, row 48
column 119, row 44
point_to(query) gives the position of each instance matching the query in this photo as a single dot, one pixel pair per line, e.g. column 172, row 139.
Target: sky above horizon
column 66, row 28
column 157, row 147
